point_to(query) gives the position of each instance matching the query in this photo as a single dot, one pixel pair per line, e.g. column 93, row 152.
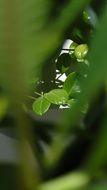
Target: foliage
column 70, row 87
column 32, row 34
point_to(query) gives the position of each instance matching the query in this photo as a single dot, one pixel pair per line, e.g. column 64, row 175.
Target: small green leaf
column 57, row 96
column 69, row 82
column 81, row 51
column 73, row 45
column 41, row 105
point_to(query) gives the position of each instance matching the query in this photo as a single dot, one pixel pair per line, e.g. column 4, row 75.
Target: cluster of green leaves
column 73, row 64
column 56, row 96
column 70, row 89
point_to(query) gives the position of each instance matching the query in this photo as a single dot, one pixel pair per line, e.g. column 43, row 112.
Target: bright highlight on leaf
column 57, row 96
column 81, row 51
column 41, row 105
column 73, row 45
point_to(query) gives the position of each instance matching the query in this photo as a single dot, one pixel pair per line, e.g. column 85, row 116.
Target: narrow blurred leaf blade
column 69, row 82
column 4, row 103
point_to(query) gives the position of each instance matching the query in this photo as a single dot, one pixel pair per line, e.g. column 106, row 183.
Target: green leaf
column 70, row 181
column 69, row 82
column 82, row 68
column 81, row 51
column 72, row 102
column 73, row 45
column 41, row 105
column 57, row 96
column 75, row 90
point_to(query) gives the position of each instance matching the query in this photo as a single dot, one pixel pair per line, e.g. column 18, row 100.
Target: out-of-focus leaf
column 69, row 82
column 75, row 90
column 98, row 186
column 97, row 58
column 82, row 68
column 97, row 73
column 70, row 12
column 97, row 70
column 4, row 103
column 71, row 102
column 34, row 80
column 71, row 181
column 90, row 17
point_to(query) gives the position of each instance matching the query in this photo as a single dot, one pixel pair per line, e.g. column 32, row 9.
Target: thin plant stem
column 38, row 94
column 31, row 97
